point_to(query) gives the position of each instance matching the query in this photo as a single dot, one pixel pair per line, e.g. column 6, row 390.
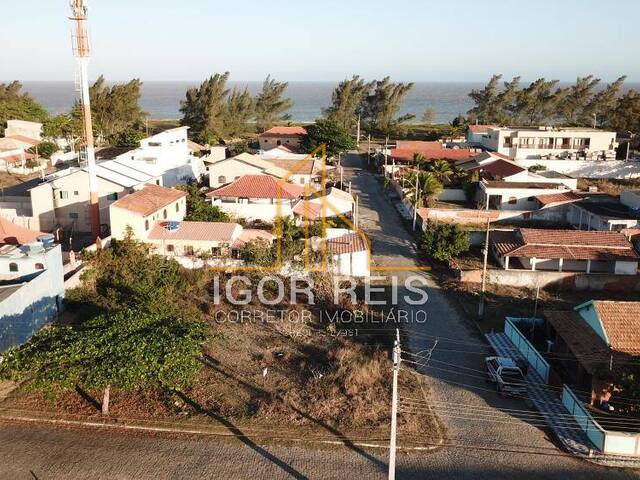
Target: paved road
column 37, row 452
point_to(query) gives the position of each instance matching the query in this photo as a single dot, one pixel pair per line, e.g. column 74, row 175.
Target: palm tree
column 429, row 187
column 441, row 169
column 418, row 159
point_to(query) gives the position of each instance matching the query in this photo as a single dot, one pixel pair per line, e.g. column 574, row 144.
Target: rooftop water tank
column 47, row 240
column 172, row 226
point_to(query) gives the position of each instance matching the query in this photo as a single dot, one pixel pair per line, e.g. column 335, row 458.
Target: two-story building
column 276, row 136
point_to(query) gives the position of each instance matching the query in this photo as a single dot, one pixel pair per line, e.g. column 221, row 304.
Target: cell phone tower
column 82, row 52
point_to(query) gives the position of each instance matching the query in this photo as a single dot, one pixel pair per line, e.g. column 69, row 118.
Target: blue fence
column 527, row 350
column 587, row 423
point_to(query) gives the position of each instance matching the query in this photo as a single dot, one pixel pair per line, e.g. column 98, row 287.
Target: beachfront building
column 564, row 251
column 276, row 136
column 406, row 150
column 563, row 143
column 257, row 197
column 32, row 282
column 477, row 133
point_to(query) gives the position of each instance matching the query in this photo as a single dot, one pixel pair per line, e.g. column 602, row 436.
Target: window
column 112, row 197
column 513, row 200
column 13, row 267
column 155, row 144
column 222, row 179
column 279, row 143
column 158, row 182
column 164, row 214
column 237, row 178
column 76, row 193
column 63, row 194
column 216, row 251
column 531, row 199
column 170, row 248
column 73, row 215
column 146, row 224
column 188, row 250
column 177, row 207
column 39, row 266
column 302, row 180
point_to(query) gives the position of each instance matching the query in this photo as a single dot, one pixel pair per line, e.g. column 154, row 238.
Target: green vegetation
column 271, row 106
column 141, row 330
column 580, row 104
column 198, row 208
column 444, row 241
column 64, row 126
column 129, row 137
column 428, row 185
column 45, row 149
column 16, row 104
column 332, row 134
column 347, row 101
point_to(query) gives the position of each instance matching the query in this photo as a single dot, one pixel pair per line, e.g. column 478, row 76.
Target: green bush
column 443, row 241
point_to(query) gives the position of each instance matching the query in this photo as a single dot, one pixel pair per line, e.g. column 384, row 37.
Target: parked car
column 507, row 376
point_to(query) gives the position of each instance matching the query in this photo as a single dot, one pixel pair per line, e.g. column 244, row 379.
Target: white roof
column 121, row 174
column 267, row 167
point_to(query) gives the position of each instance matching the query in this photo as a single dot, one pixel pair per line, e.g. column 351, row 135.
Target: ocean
column 161, row 100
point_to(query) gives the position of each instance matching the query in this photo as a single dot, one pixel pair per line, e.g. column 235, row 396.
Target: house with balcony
column 564, row 251
column 550, row 143
column 276, row 136
column 257, row 197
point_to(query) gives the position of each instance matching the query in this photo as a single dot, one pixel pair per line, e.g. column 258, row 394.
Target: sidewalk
column 549, row 403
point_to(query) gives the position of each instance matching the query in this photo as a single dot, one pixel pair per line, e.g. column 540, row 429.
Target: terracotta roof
column 621, row 322
column 197, row 231
column 349, row 243
column 585, row 344
column 18, row 158
column 15, row 234
column 498, row 169
column 109, row 153
column 563, row 197
column 21, row 138
column 301, row 167
column 480, row 128
column 196, row 147
column 432, row 153
column 417, row 144
column 258, row 186
column 310, row 210
column 150, row 199
column 284, row 132
column 569, row 244
column 249, row 235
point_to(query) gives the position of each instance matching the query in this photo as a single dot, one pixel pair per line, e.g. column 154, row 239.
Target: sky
column 326, row 40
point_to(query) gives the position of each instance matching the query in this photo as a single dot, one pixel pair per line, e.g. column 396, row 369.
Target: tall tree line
column 584, row 103
column 213, row 111
column 376, row 102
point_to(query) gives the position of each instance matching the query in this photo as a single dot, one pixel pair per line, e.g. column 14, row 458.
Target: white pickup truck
column 507, row 376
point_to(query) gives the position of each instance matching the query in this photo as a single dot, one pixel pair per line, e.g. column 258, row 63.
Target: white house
column 526, row 143
column 23, row 128
column 338, row 202
column 347, row 252
column 276, row 136
column 477, row 133
column 257, row 197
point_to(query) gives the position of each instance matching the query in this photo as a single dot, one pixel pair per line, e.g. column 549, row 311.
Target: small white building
column 23, row 128
column 257, row 197
column 347, row 251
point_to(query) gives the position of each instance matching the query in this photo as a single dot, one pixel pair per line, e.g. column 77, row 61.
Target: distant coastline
column 161, row 100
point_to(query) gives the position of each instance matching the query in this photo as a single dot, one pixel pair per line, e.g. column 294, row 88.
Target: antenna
column 81, row 51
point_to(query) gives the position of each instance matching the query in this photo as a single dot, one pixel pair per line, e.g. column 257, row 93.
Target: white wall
column 231, row 169
column 589, row 169
column 256, row 211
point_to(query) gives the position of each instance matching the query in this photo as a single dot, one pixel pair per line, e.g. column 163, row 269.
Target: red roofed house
column 565, row 251
column 347, row 252
column 275, row 136
column 405, row 151
column 257, row 197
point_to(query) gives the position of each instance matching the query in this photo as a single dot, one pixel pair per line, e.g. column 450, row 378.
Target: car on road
column 507, row 376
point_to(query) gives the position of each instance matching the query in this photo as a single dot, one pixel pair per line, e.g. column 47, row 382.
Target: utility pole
column 394, row 406
column 626, row 157
column 82, row 52
column 358, row 133
column 484, row 272
column 415, row 201
column 369, row 148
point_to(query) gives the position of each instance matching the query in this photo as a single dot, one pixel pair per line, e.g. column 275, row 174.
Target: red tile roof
column 621, row 322
column 150, row 199
column 480, row 128
column 310, row 210
column 284, row 132
column 249, row 235
column 498, row 169
column 16, row 235
column 349, row 243
column 18, row 158
column 432, row 153
column 301, row 167
column 417, row 144
column 568, row 244
column 197, row 231
column 563, row 197
column 258, row 186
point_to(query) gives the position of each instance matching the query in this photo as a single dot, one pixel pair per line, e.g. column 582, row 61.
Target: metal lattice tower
column 81, row 51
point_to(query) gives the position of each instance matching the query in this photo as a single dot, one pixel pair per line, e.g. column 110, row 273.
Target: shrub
column 444, row 241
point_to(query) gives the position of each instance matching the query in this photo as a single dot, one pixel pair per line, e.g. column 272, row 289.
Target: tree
column 331, row 133
column 429, row 187
column 441, row 169
column 129, row 137
column 535, row 103
column 625, row 116
column 428, row 116
column 15, row 104
column 444, row 241
column 574, row 98
column 381, row 107
column 44, row 149
column 114, row 108
column 271, row 106
column 258, row 253
column 130, row 349
column 347, row 101
column 198, row 208
column 238, row 110
column 486, row 109
column 603, row 103
column 204, row 107
column 64, row 126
